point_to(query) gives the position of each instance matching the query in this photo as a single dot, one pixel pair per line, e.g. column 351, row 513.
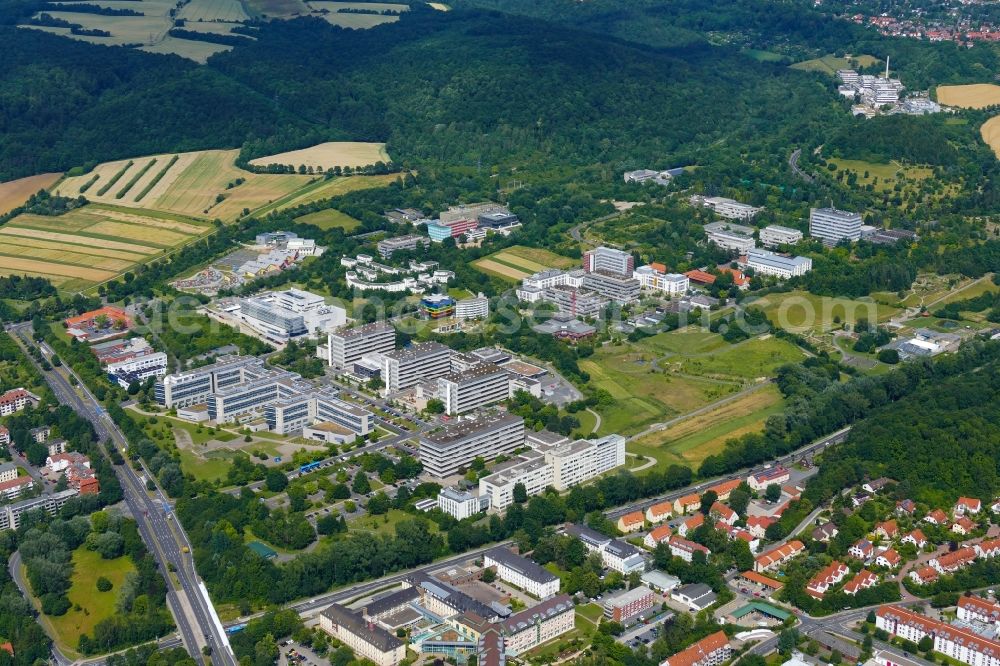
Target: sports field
column 190, row 186
column 830, row 64
column 93, row 605
column 970, row 96
column 991, row 134
column 691, row 440
column 800, row 311
column 518, row 262
column 90, row 245
column 14, row 193
column 332, row 154
column 330, row 219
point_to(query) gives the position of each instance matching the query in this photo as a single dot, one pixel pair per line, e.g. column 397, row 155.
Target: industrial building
column 833, row 226
column 452, row 447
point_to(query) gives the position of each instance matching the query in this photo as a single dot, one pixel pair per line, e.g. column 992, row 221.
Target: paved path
column 793, row 162
column 597, row 420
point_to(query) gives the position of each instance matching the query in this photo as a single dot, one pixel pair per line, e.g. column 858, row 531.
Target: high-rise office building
column 608, row 259
column 832, row 226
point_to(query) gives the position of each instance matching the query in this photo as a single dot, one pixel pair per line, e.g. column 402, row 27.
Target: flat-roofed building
column 184, row 389
column 729, row 236
column 832, row 226
column 727, row 208
column 530, row 470
column 137, row 369
column 367, row 640
column 419, row 362
column 521, row 572
column 389, row 246
column 575, row 302
column 290, row 313
column 764, row 262
column 774, row 235
column 481, row 385
column 303, row 409
column 610, row 260
column 576, row 462
column 11, row 514
column 615, row 286
column 672, row 284
column 452, row 447
column 477, row 307
column 459, row 504
column 252, row 395
column 626, row 605
column 347, row 345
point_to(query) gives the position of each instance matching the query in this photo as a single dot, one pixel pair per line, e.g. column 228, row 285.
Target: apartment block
column 347, row 345
column 626, row 605
column 479, row 386
column 531, row 470
column 576, row 462
column 774, row 235
column 521, row 572
column 408, row 367
column 958, row 643
column 137, row 369
column 539, row 624
column 614, row 286
column 672, row 284
column 610, row 260
column 15, row 400
column 764, row 262
column 712, row 650
column 449, row 448
column 10, row 514
column 832, row 226
column 367, row 640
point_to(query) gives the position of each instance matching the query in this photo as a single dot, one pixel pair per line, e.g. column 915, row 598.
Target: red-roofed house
column 724, row 490
column 888, row 558
column 631, row 522
column 4, row 435
column 963, row 526
column 7, row 647
column 14, row 487
column 826, row 578
column 725, row 514
column 976, row 609
column 710, row 651
column 777, row 556
column 659, row 512
column 924, row 575
column 701, row 277
column 15, row 400
column 687, row 503
column 862, row 581
column 887, row 529
column 60, row 462
column 101, row 324
column 685, row 549
column 968, row 505
column 757, row 525
column 987, row 548
column 955, row 560
column 761, row 480
column 936, row 517
column 661, row 533
column 916, row 537
column 691, row 524
column 906, row 506
column 739, row 278
column 768, row 584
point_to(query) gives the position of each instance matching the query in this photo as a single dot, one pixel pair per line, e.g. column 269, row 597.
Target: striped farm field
column 502, row 270
column 92, row 244
column 518, row 262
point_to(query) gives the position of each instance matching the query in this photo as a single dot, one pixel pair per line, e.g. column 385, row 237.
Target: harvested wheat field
column 991, row 134
column 971, row 96
column 92, row 244
column 328, row 155
column 14, row 193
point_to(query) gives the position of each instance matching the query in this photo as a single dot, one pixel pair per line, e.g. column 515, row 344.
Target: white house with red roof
column 828, row 577
column 916, row 537
column 4, row 435
column 775, row 475
column 656, row 535
column 691, row 524
column 889, row 559
column 924, row 575
column 963, row 526
column 862, row 581
column 970, row 505
column 936, row 517
column 724, row 513
column 887, row 529
column 659, row 512
column 685, row 549
column 955, row 560
column 757, row 525
column 862, row 550
column 987, row 548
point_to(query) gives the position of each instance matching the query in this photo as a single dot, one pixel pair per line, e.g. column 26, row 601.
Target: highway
column 192, row 610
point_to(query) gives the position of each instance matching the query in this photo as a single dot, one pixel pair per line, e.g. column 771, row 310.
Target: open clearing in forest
column 325, row 189
column 331, row 154
column 969, row 96
column 799, row 311
column 14, row 193
column 329, row 219
column 91, row 244
column 830, row 64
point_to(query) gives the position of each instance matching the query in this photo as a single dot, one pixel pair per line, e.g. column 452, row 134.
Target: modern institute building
column 774, row 235
column 764, row 262
column 608, row 259
column 366, row 639
column 479, row 386
column 347, row 345
column 832, row 226
column 408, row 367
column 452, row 447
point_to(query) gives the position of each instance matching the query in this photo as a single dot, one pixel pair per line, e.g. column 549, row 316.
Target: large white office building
column 452, row 447
column 672, row 284
column 282, row 315
column 252, row 395
column 347, row 345
column 615, row 286
column 193, row 387
column 575, row 302
column 727, row 208
column 832, row 226
column 764, row 262
column 477, row 307
column 521, row 572
column 774, row 235
column 417, row 363
column 479, row 386
column 533, row 287
column 608, row 259
column 366, row 639
column 298, row 411
column 460, row 504
column 138, row 369
column 530, row 469
column 576, row 462
column 729, row 236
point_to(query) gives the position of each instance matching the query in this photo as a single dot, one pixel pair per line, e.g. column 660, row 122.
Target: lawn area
column 887, row 174
column 758, row 357
column 592, row 612
column 800, row 311
column 94, row 606
column 692, row 440
column 690, row 340
column 385, row 524
column 587, row 421
column 330, row 218
column 641, row 395
column 213, row 466
column 983, row 286
column 830, row 64
column 570, row 642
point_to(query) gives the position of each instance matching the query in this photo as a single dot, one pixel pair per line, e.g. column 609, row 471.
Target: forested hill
column 459, row 87
column 940, row 442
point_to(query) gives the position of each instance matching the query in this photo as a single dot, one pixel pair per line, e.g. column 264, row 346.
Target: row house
column 955, row 560
column 687, row 503
column 712, row 650
column 987, row 548
column 631, row 522
column 656, row 536
column 685, row 549
column 775, row 557
column 862, row 581
column 955, row 642
column 725, row 489
column 826, row 578
column 976, row 609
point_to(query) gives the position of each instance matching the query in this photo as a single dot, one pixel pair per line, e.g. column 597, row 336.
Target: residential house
column 924, row 575
column 916, row 537
column 685, row 549
column 691, row 524
column 955, row 560
column 862, row 581
column 825, row 532
column 777, row 556
column 906, row 507
column 712, row 650
column 987, row 548
column 976, row 609
column 658, row 534
column 687, row 503
column 724, row 513
column 631, row 522
column 963, row 526
column 889, row 559
column 936, row 517
column 877, row 485
column 659, row 512
column 774, row 475
column 828, row 577
column 757, row 525
column 887, row 529
column 862, row 550
column 969, row 505
column 724, row 490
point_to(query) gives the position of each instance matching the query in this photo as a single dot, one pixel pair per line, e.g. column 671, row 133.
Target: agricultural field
column 518, row 262
column 276, row 8
column 691, row 440
column 91, row 244
column 830, row 64
column 199, row 52
column 328, row 12
column 329, row 219
column 332, row 154
column 191, row 185
column 373, row 6
column 441, row 7
column 970, row 96
column 990, row 131
column 322, row 188
column 14, row 193
column 799, row 311
column 93, row 605
column 213, row 10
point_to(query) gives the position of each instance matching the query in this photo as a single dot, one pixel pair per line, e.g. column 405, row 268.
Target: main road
column 192, row 609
